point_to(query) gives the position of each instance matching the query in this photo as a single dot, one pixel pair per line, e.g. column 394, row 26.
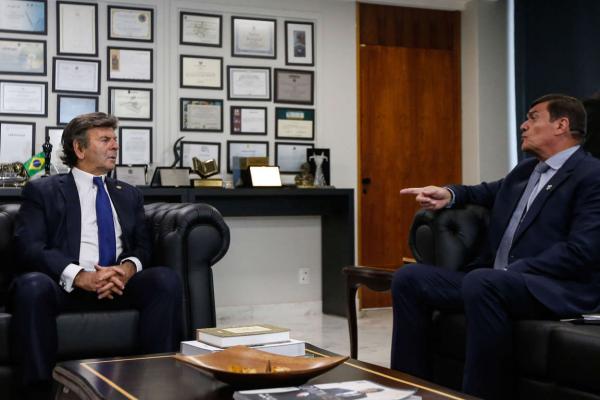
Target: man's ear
column 563, row 125
column 78, row 148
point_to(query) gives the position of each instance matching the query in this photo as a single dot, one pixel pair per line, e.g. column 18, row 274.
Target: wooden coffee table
column 161, row 376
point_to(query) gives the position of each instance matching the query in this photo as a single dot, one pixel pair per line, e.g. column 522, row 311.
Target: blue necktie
column 107, row 245
column 501, row 260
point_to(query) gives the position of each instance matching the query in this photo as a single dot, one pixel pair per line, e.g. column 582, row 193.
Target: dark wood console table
column 334, row 206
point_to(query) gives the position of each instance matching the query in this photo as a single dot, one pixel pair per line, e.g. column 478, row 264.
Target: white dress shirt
column 88, row 249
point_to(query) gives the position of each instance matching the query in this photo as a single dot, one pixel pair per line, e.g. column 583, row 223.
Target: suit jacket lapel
column 553, row 184
column 68, row 190
column 119, row 202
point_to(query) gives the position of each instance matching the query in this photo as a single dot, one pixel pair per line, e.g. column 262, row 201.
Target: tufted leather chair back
column 7, row 256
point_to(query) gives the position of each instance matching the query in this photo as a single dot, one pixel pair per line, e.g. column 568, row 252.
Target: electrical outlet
column 304, row 276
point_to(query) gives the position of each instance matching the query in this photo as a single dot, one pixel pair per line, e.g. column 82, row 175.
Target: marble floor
column 308, row 323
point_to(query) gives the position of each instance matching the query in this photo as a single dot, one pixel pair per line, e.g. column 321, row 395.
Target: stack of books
column 269, row 338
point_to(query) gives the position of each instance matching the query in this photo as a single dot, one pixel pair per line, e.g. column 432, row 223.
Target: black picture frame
column 139, row 168
column 176, row 173
column 287, row 77
column 21, row 114
column 184, row 101
column 31, row 124
column 109, row 21
column 235, row 120
column 121, row 142
column 293, row 44
column 236, row 22
column 110, row 63
column 59, row 50
column 21, row 71
column 57, row 89
column 191, row 142
column 252, row 142
column 182, row 41
column 42, row 31
column 298, row 114
column 60, row 107
column 231, row 87
column 111, row 95
column 303, row 147
column 183, row 84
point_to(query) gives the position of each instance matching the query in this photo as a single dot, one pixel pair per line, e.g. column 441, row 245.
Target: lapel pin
column 549, row 187
column 118, row 187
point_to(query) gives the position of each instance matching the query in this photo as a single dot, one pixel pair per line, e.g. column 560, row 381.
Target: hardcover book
column 291, row 348
column 248, row 335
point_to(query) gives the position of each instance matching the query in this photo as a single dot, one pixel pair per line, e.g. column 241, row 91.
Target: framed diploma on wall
column 130, row 23
column 24, row 17
column 299, row 43
column 77, row 28
column 129, row 65
column 130, row 103
column 17, row 140
column 22, row 57
column 75, row 75
column 201, row 115
column 68, row 107
column 248, row 83
column 23, row 98
column 200, row 29
column 200, row 72
column 202, row 150
column 294, row 86
column 248, row 120
column 253, row 37
column 135, row 145
column 289, row 157
column 294, row 123
column 236, row 148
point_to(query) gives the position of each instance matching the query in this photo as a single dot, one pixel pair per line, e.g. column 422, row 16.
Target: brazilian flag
column 35, row 164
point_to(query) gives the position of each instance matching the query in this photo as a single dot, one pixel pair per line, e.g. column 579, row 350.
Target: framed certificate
column 23, row 98
column 22, row 57
column 130, row 103
column 17, row 140
column 75, row 75
column 248, row 83
column 171, row 177
column 248, row 120
column 135, row 145
column 201, row 150
column 237, row 148
column 200, row 29
column 290, row 156
column 130, row 23
column 23, row 16
column 299, row 43
column 200, row 72
column 201, row 115
column 71, row 106
column 135, row 175
column 77, row 28
column 294, row 123
column 253, row 37
column 294, row 86
column 129, row 65
column 54, row 133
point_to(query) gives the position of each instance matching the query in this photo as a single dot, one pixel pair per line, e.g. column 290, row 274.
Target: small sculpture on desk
column 47, row 148
column 177, row 152
column 304, row 179
column 319, row 176
column 12, row 174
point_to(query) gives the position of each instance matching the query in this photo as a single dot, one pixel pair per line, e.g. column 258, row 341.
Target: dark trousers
column 36, row 300
column 491, row 300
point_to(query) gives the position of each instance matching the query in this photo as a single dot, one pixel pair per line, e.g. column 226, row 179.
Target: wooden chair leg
column 352, row 323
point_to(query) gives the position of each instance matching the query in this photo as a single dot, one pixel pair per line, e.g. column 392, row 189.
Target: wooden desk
column 334, row 206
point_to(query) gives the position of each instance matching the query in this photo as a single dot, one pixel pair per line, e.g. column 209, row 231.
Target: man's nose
column 524, row 126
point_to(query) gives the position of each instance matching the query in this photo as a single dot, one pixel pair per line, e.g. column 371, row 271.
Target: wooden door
column 409, row 101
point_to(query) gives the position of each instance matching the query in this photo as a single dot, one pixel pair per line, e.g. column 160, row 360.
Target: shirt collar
column 559, row 159
column 84, row 180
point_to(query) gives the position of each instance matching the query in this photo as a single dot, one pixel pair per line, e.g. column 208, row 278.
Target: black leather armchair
column 189, row 238
column 554, row 359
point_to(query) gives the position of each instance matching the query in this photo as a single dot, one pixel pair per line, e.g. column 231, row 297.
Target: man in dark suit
column 543, row 255
column 82, row 238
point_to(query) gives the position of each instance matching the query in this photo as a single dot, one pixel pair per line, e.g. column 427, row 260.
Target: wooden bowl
column 241, row 366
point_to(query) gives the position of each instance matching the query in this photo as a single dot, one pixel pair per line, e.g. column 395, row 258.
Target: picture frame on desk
column 133, row 174
column 127, row 64
column 72, row 75
column 171, row 177
column 28, row 17
column 68, row 107
column 201, row 150
column 198, row 29
column 290, row 156
column 239, row 148
column 299, row 43
column 135, row 145
column 23, row 98
column 22, row 57
column 130, row 23
column 77, row 28
column 17, row 141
